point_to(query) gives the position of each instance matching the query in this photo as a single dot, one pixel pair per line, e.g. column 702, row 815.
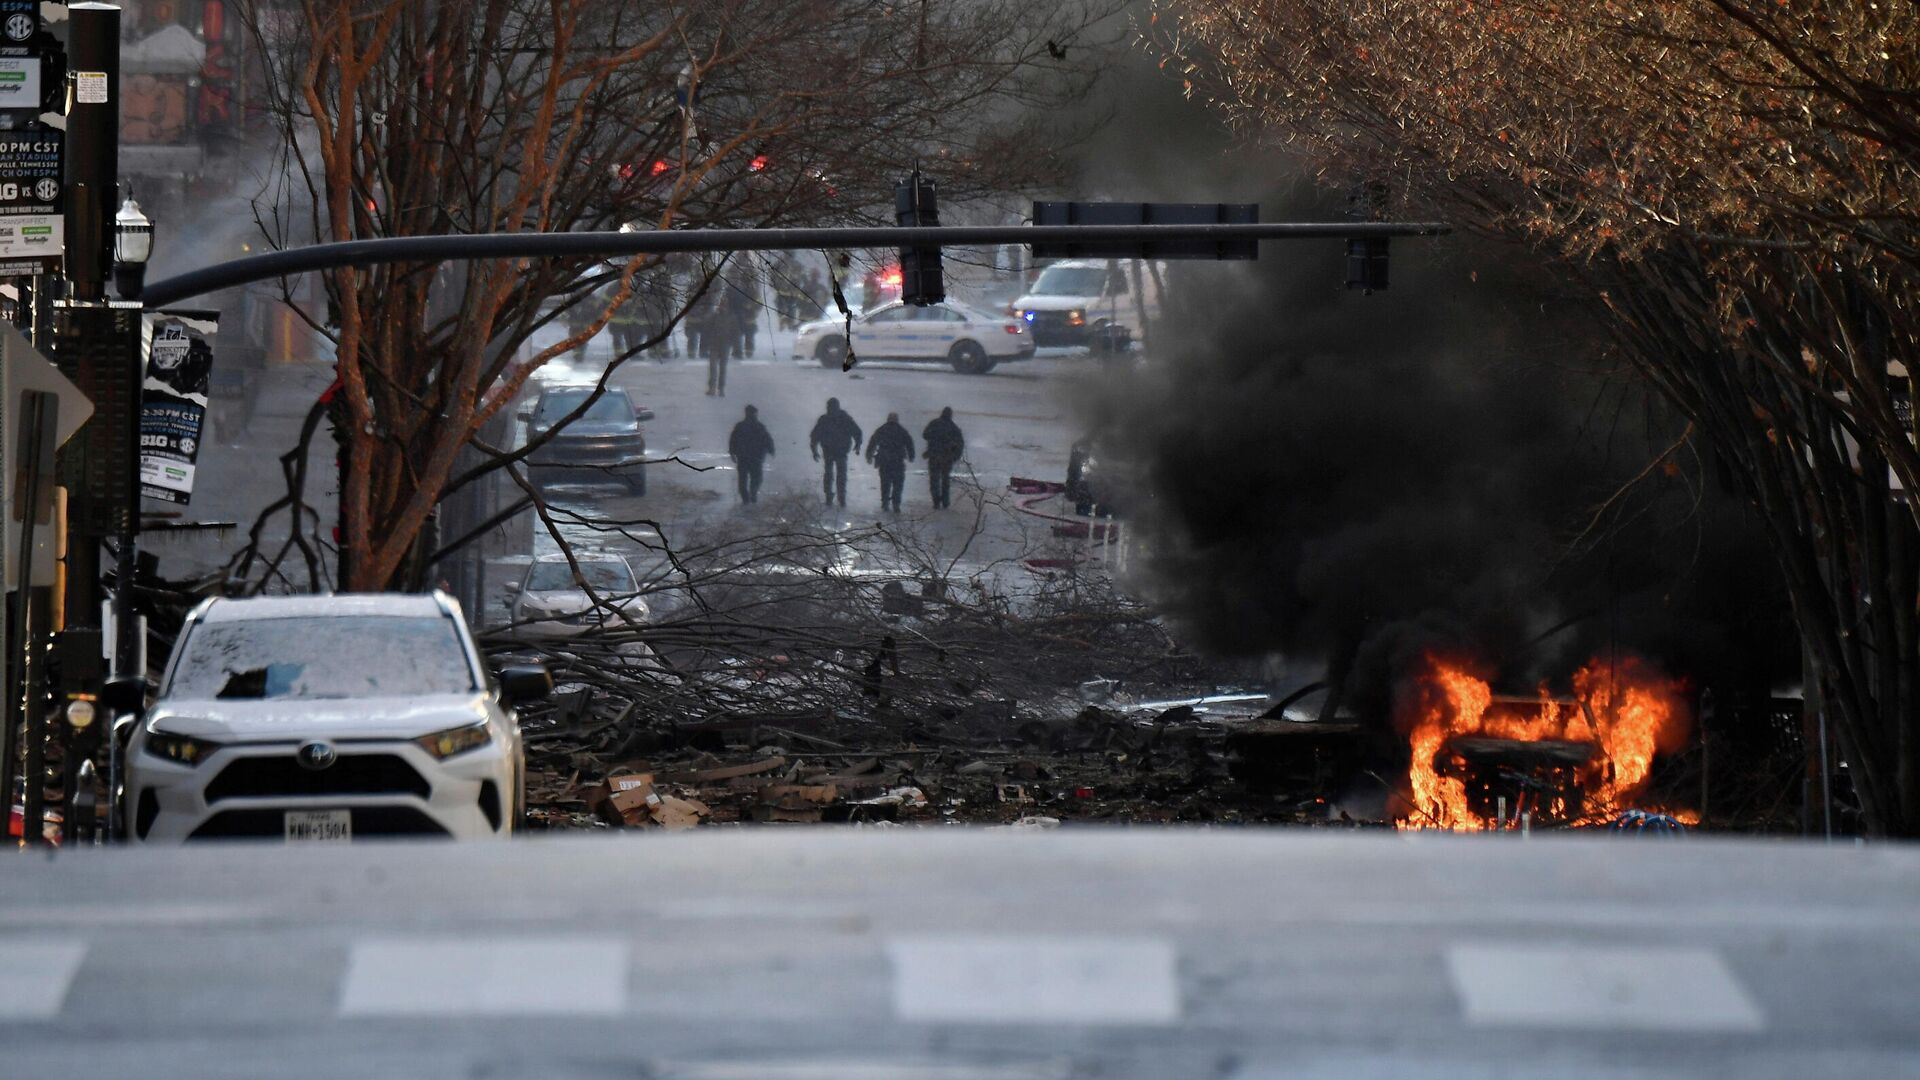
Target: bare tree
column 1734, row 182
column 465, row 116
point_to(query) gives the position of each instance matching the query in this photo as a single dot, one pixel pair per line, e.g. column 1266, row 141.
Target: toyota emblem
column 316, row 755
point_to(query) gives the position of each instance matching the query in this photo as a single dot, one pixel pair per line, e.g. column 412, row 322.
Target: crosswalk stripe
column 1611, row 987
column 480, row 976
column 36, row 975
column 1035, row 979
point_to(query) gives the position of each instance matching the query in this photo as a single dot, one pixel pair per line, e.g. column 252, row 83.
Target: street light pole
column 95, row 344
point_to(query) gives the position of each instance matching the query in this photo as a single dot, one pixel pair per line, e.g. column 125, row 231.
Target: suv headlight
column 182, row 749
column 455, row 740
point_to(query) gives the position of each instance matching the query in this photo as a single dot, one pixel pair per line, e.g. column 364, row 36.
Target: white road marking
column 857, row 1069
column 36, row 975
column 122, row 915
column 517, row 976
column 1034, row 979
column 1646, row 988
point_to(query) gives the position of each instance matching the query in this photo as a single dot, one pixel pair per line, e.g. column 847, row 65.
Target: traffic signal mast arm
column 279, row 264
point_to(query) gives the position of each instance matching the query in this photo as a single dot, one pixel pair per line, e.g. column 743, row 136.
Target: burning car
column 1483, row 761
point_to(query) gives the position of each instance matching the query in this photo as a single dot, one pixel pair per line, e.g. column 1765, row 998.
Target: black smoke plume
column 1454, row 463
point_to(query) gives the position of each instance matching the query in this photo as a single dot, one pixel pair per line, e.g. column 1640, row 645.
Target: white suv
column 329, row 718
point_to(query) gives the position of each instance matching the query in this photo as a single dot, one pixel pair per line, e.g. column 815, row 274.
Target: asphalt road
column 953, row 954
column 1018, row 421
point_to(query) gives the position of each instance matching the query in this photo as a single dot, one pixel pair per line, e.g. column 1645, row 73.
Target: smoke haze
column 1316, row 470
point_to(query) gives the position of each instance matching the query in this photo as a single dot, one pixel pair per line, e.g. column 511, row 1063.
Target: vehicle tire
column 831, row 352
column 636, row 480
column 968, row 358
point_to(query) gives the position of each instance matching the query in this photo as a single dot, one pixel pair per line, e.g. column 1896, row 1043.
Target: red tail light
column 1013, row 328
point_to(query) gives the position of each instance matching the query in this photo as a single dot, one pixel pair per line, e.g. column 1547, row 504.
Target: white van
column 1073, row 302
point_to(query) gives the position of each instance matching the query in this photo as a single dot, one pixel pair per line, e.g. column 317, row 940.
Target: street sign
column 32, row 221
column 23, row 370
column 1127, row 213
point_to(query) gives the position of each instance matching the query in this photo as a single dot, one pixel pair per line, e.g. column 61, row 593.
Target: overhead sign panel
column 1130, row 213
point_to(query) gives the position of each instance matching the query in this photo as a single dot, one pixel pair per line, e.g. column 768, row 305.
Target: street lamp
column 132, row 247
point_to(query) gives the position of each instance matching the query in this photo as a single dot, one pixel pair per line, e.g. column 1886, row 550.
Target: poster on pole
column 177, row 347
column 32, row 198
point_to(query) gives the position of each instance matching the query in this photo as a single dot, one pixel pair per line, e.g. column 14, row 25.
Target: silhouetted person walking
column 945, row 444
column 835, row 435
column 890, row 448
column 750, row 446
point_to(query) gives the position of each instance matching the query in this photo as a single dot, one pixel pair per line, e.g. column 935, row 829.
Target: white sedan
column 973, row 341
column 552, row 600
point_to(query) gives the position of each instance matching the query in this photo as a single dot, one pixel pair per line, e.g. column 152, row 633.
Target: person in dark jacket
column 750, row 446
column 890, row 449
column 836, row 435
column 945, row 444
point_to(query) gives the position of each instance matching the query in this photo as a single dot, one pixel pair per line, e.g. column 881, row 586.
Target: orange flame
column 1623, row 706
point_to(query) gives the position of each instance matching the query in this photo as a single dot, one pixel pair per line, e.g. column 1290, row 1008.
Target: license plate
column 319, row 826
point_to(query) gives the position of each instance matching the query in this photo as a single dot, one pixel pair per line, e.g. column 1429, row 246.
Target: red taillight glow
column 758, row 163
column 891, row 279
column 660, row 167
column 1012, row 328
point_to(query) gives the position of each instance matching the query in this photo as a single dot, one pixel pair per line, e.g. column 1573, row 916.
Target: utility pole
column 96, row 345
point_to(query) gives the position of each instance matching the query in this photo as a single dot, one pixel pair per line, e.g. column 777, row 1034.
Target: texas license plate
column 319, row 826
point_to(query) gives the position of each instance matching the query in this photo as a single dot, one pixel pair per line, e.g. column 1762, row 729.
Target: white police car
column 971, row 340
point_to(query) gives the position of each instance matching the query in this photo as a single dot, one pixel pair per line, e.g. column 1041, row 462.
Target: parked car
column 329, row 718
column 973, row 341
column 552, row 599
column 606, row 439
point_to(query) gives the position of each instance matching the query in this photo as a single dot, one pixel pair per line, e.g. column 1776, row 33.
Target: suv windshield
column 1070, row 281
column 322, row 657
column 612, row 405
column 605, row 577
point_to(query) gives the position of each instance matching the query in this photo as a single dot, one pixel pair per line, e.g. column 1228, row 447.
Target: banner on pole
column 178, row 351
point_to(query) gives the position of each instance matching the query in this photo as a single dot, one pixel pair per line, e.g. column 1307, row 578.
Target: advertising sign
column 32, row 227
column 178, row 347
column 19, row 20
column 20, row 82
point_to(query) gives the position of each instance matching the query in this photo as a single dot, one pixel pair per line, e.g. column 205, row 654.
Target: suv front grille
column 351, row 774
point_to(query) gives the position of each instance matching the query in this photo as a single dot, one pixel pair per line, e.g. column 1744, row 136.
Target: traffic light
column 916, row 202
column 1367, row 263
column 1367, row 255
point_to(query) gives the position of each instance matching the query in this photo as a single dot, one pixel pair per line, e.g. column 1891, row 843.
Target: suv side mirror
column 525, row 682
column 525, row 415
column 642, row 414
column 126, row 694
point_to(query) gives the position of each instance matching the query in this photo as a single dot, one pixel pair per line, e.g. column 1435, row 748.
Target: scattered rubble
column 1203, row 758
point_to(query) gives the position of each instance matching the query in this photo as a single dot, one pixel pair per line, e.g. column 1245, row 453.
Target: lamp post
column 132, row 247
